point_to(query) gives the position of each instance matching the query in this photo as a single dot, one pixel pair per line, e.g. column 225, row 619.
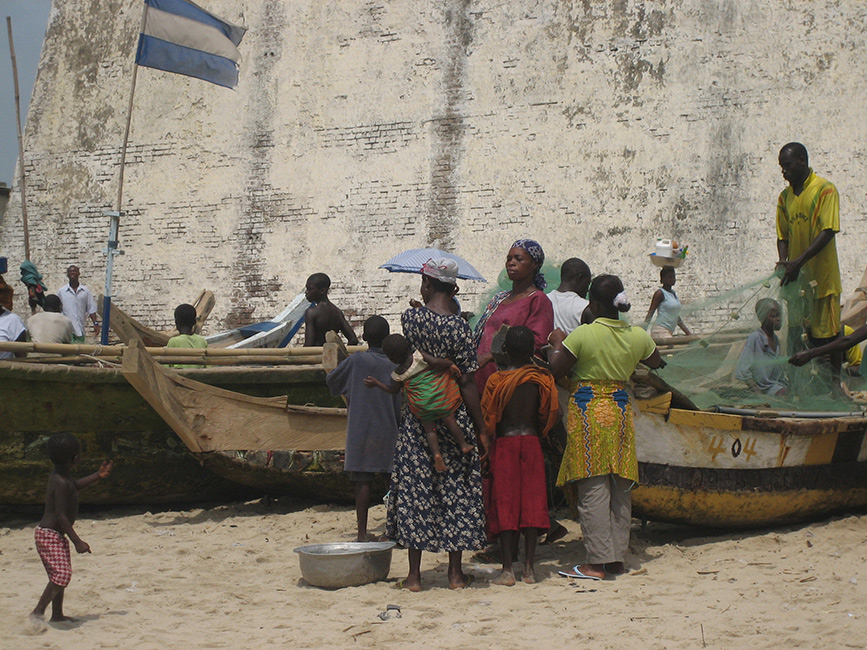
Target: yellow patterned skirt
column 601, row 433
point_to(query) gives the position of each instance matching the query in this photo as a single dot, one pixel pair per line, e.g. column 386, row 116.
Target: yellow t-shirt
column 801, row 218
column 608, row 349
column 854, row 355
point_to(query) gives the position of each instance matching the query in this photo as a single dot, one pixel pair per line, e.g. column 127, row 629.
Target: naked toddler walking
column 61, row 510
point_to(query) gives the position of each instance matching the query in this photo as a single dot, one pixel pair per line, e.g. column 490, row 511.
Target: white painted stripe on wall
column 189, row 33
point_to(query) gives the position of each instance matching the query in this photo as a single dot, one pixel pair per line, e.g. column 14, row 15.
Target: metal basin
column 345, row 564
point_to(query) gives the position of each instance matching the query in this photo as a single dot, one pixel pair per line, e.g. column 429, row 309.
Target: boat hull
column 113, row 421
column 730, row 471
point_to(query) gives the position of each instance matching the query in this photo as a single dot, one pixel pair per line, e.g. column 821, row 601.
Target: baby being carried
column 432, row 394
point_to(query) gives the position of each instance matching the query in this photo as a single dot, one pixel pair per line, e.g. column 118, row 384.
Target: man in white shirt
column 50, row 326
column 570, row 306
column 11, row 329
column 78, row 304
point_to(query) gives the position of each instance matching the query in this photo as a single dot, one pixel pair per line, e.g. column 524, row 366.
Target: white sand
column 227, row 578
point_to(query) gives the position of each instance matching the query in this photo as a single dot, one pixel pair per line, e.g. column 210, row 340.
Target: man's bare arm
column 793, row 267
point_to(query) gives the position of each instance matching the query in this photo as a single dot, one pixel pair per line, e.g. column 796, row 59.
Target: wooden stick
column 198, row 353
column 20, row 141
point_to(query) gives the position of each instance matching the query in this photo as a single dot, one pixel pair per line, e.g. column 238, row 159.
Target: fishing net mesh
column 703, row 368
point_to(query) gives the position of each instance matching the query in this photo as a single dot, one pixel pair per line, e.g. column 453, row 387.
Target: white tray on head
column 659, row 260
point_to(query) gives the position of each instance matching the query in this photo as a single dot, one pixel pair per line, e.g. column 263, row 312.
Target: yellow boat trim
column 721, row 421
column 729, row 509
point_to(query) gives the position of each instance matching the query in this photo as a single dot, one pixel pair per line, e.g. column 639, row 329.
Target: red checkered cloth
column 53, row 548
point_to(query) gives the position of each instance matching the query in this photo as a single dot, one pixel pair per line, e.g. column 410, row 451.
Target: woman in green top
column 600, row 462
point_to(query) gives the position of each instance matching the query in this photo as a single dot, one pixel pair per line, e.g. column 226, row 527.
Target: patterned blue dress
column 430, row 510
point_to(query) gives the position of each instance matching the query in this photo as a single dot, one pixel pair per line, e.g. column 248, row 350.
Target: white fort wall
column 363, row 128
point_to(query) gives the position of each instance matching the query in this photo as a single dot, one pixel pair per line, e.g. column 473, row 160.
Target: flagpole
column 20, row 141
column 114, row 226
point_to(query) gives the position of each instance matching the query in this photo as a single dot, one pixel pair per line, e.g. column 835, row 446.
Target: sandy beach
column 226, row 577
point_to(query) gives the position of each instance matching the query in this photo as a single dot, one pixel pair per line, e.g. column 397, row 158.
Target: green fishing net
column 705, row 369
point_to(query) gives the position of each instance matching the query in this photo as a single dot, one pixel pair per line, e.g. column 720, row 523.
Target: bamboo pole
column 195, row 353
column 20, row 142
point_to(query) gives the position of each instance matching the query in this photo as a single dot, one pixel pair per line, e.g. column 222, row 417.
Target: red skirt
column 518, row 496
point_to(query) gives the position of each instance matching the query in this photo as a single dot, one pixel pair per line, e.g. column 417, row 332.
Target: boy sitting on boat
column 61, row 510
column 371, row 429
column 323, row 316
column 761, row 363
column 520, row 405
column 431, row 391
column 185, row 322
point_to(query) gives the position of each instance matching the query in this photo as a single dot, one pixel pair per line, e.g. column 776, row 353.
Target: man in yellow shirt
column 808, row 217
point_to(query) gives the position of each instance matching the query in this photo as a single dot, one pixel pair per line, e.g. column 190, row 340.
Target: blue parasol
column 411, row 261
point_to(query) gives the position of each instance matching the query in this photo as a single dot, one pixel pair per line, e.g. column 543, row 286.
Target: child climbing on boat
column 61, row 510
column 430, row 389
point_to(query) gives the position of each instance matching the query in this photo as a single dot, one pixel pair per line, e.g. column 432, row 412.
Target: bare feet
column 35, row 625
column 504, row 577
column 466, row 449
column 460, row 580
column 529, row 576
column 439, row 464
column 615, row 568
column 410, row 583
column 62, row 619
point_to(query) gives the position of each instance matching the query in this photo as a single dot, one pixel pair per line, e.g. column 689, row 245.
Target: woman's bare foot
column 410, row 583
column 529, row 576
column 439, row 463
column 615, row 568
column 505, row 577
column 460, row 580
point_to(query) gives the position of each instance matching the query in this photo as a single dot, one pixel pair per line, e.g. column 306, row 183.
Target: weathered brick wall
column 363, row 128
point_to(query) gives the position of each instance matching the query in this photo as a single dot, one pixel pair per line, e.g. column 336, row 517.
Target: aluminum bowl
column 345, row 564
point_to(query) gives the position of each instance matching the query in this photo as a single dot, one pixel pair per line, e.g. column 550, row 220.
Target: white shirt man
column 78, row 304
column 11, row 329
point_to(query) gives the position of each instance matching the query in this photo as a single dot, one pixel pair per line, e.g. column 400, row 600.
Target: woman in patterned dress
column 430, row 510
column 600, row 462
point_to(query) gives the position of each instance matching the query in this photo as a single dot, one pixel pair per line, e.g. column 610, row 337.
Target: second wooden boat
column 264, row 443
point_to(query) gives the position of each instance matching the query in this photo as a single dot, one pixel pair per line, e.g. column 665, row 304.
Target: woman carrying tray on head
column 526, row 304
column 667, row 307
column 430, row 510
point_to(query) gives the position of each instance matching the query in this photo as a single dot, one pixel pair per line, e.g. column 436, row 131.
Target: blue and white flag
column 181, row 37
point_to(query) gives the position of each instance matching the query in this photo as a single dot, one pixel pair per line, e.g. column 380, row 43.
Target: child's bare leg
column 48, row 595
column 430, row 432
column 362, row 506
column 457, row 434
column 507, row 542
column 57, row 608
column 530, row 537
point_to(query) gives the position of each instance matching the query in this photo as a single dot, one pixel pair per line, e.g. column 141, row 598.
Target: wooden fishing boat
column 265, row 443
column 105, row 412
column 276, row 332
column 696, row 467
column 747, row 468
column 127, row 329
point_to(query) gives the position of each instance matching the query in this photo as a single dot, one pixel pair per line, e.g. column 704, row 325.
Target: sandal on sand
column 576, row 573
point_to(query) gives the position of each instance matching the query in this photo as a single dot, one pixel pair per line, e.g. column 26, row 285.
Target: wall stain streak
column 449, row 127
